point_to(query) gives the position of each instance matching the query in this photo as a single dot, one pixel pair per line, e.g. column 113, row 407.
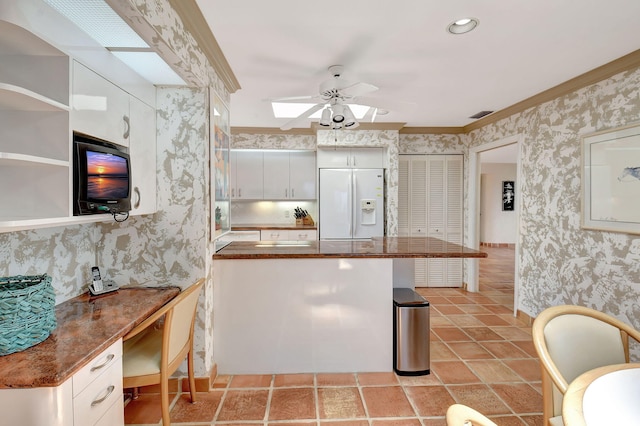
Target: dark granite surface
column 292, row 226
column 86, row 326
column 384, row 247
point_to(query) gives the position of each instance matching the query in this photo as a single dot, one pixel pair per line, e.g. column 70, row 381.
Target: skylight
column 292, row 110
column 106, row 27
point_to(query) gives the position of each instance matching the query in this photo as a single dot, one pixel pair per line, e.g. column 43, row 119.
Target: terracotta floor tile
column 221, row 381
column 453, row 372
column 396, row 422
column 491, row 320
column 244, row 405
column 474, row 309
column 204, row 410
column 470, row 350
column 512, row 333
column 493, row 371
column 345, row 423
column 449, row 310
column 434, row 422
column 521, row 397
column 527, row 346
column 292, row 404
column 528, row 369
column 441, row 352
column 336, row 379
column 533, row 420
column 387, row 401
column 286, row 380
column 424, row 380
column 479, row 397
column 250, row 381
column 504, row 350
column 372, row 379
column 145, row 409
column 340, row 403
column 482, row 333
column 466, row 320
column 451, row 334
column 441, row 322
column 430, row 400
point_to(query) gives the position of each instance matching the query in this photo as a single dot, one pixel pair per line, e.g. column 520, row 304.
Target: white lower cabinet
column 91, row 397
column 240, row 236
column 288, row 234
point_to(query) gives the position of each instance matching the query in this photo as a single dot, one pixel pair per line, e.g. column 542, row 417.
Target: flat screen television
column 102, row 177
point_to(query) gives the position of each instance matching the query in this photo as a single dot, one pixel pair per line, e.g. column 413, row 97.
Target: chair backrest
column 462, row 415
column 179, row 323
column 571, row 340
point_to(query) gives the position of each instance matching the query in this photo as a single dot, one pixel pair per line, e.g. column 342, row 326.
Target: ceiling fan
column 334, row 94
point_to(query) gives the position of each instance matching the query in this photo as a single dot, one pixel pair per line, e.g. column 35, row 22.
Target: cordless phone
column 97, row 279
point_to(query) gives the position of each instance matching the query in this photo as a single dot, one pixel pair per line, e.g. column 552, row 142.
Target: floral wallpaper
column 560, row 263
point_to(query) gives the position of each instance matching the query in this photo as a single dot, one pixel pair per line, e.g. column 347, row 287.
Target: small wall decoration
column 508, row 195
column 611, row 180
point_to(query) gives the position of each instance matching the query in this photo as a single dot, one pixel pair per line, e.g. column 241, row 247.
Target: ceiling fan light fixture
column 462, row 26
column 349, row 119
column 325, row 119
column 338, row 113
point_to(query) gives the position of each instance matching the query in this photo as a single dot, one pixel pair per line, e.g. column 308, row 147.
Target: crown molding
column 625, row 63
column 432, row 130
column 195, row 23
column 365, row 126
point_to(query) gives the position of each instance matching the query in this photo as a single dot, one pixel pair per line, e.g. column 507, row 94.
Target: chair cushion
column 141, row 355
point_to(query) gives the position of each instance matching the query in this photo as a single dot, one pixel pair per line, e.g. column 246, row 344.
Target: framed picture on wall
column 219, row 153
column 611, row 180
column 508, row 195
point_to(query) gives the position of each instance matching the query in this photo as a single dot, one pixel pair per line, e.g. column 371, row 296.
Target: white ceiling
column 521, row 48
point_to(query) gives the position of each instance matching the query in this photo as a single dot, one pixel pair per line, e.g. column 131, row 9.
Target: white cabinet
column 142, row 151
column 246, row 175
column 240, row 236
column 288, row 235
column 430, row 197
column 35, row 169
column 356, row 158
column 289, row 175
column 99, row 107
column 92, row 396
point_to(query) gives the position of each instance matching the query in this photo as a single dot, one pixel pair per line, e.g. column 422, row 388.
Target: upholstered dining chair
column 462, row 415
column 154, row 349
column 571, row 340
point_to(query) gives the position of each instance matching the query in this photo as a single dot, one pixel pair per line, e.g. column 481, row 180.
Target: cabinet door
column 403, row 196
column 276, row 176
column 302, row 175
column 302, row 234
column 366, row 158
column 329, row 158
column 142, row 150
column 99, row 108
column 249, row 177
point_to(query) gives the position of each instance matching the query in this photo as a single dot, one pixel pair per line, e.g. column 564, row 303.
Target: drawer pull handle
column 110, row 390
column 104, row 364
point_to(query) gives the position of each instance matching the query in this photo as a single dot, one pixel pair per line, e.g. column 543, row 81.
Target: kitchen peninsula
column 313, row 306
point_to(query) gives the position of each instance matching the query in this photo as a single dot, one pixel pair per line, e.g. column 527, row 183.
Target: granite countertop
column 383, row 247
column 86, row 326
column 249, row 227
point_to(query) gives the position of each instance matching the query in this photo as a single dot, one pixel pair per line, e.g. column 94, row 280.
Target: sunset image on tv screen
column 107, row 176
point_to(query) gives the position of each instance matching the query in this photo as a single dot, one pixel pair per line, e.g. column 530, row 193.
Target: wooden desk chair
column 571, row 340
column 462, row 415
column 152, row 353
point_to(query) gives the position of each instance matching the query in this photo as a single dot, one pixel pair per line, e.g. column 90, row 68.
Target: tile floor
column 480, row 356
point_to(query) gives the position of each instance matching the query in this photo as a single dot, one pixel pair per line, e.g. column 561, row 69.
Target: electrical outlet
column 286, row 214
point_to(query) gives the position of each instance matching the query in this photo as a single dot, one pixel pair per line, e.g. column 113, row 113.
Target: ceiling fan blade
column 290, row 124
column 370, row 115
column 292, row 98
column 358, row 89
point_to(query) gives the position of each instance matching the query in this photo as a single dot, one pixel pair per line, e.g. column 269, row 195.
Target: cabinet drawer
column 302, row 235
column 97, row 366
column 274, row 235
column 97, row 399
column 113, row 416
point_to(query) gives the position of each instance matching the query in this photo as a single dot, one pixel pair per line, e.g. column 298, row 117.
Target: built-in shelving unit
column 35, row 146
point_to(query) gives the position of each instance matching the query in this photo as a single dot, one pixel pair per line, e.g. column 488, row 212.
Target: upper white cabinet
column 99, row 107
column 289, row 175
column 246, row 175
column 142, row 151
column 355, row 158
column 34, row 129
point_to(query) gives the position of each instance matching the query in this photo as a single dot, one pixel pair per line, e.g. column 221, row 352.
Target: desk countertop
column 86, row 326
column 384, row 247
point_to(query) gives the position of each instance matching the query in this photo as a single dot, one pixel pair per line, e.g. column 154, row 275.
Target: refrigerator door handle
column 352, row 230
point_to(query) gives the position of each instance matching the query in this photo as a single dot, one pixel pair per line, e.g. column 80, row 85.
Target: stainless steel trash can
column 410, row 333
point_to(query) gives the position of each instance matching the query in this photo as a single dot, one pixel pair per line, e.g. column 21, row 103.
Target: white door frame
column 474, row 210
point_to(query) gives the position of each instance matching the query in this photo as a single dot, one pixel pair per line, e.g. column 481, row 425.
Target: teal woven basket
column 27, row 312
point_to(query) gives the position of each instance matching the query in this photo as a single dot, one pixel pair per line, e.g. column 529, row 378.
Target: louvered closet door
column 418, row 202
column 437, row 216
column 454, row 216
column 403, row 196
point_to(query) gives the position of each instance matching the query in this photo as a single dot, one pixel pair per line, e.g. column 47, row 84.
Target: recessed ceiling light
column 462, row 26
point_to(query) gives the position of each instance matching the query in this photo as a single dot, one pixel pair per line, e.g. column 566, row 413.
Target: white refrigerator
column 351, row 203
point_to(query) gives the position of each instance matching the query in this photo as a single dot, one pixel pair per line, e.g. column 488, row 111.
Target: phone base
column 108, row 287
